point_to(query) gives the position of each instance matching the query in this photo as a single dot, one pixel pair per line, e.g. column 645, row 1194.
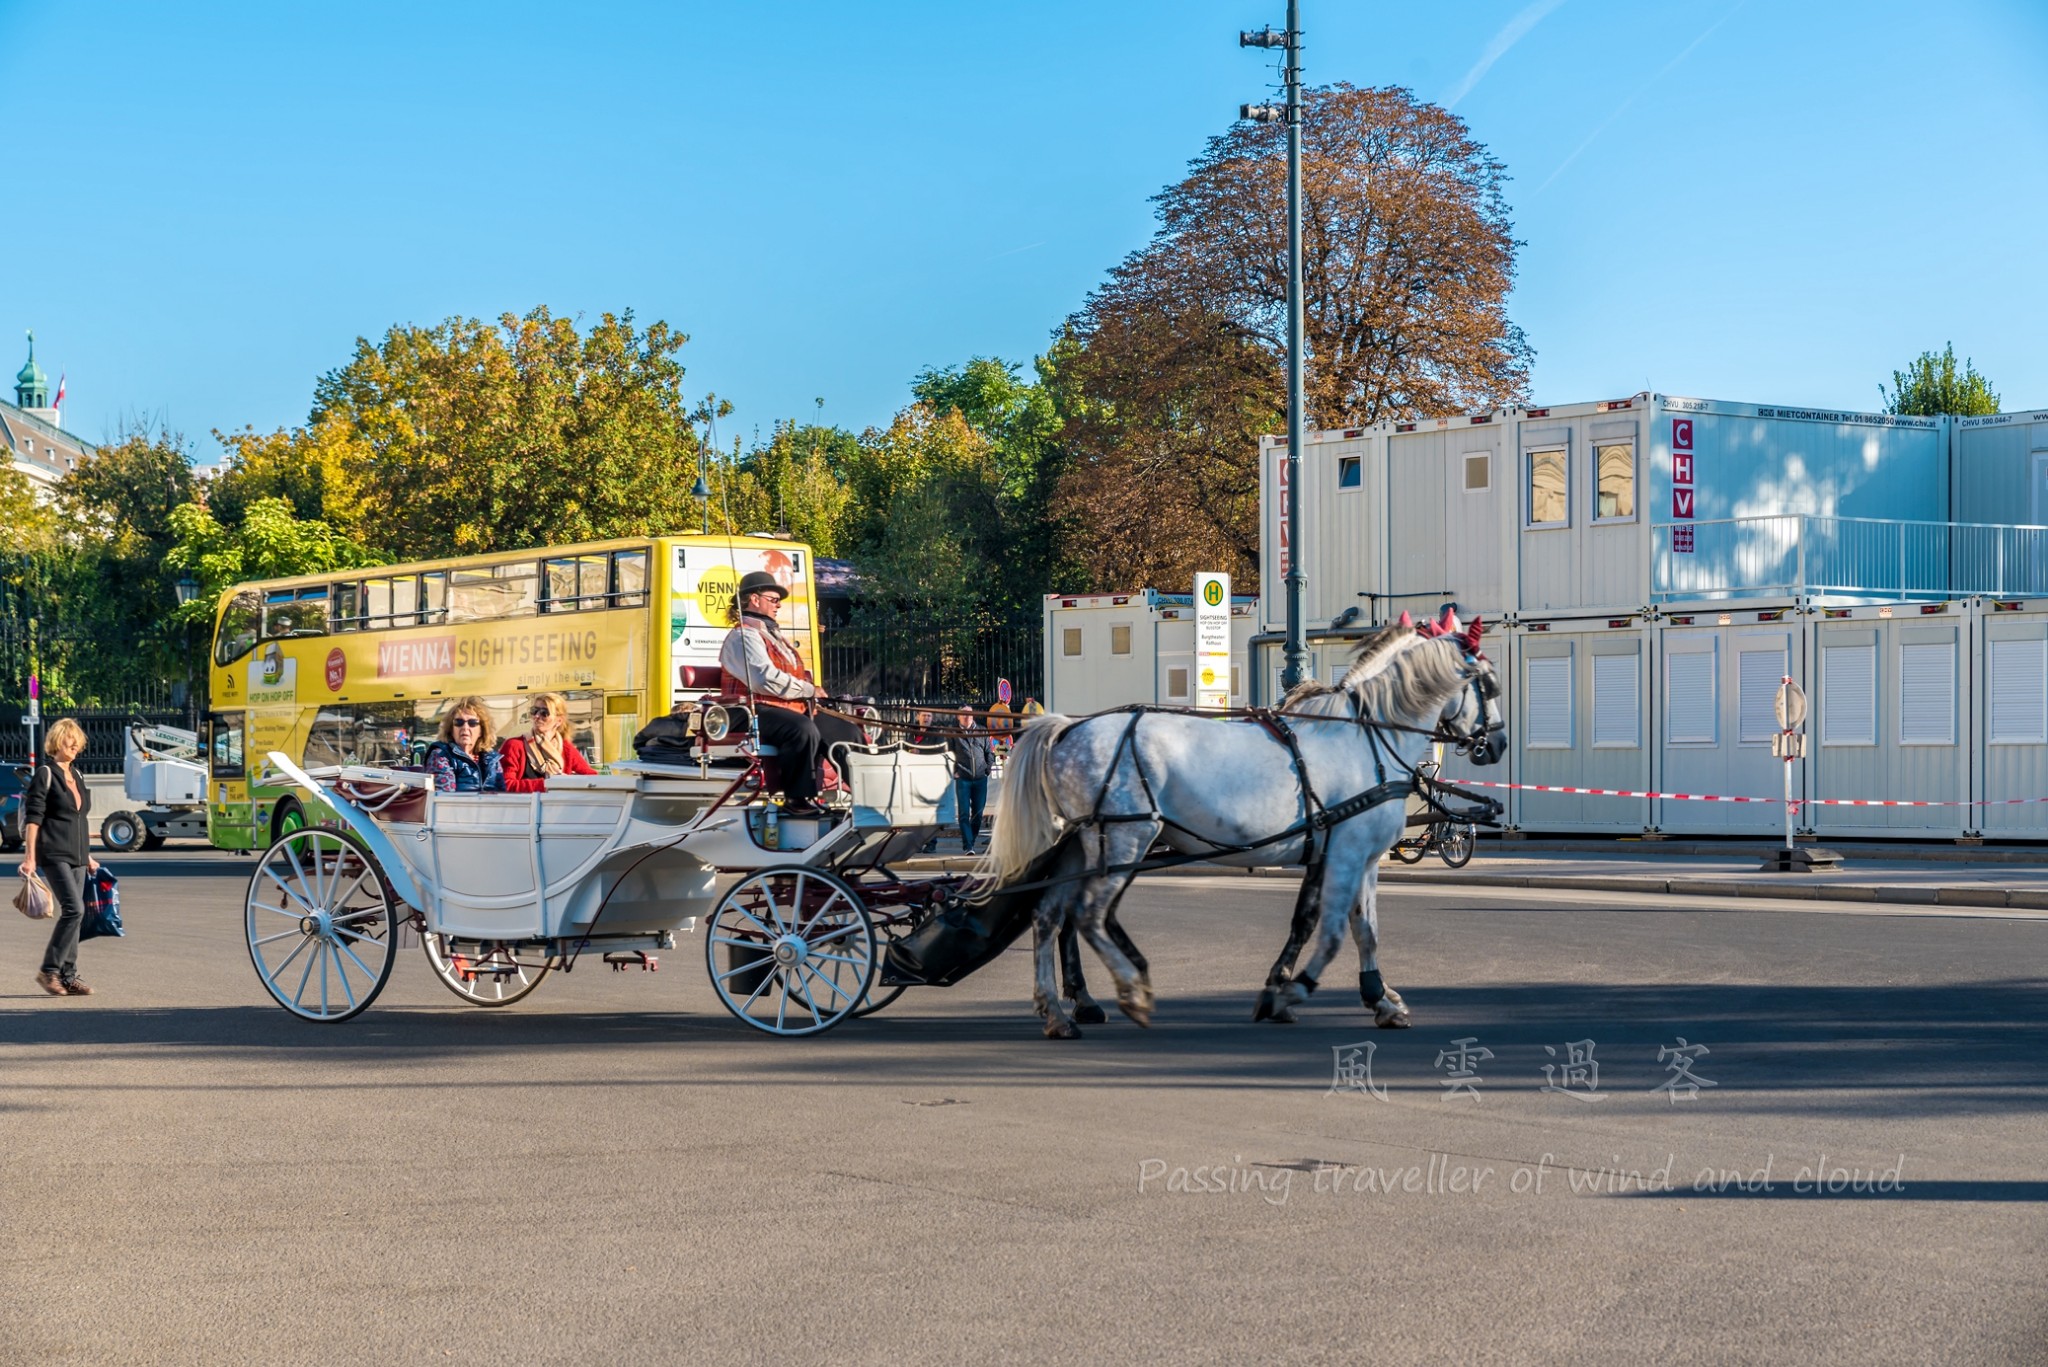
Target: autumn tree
column 1932, row 385
column 1174, row 365
column 471, row 436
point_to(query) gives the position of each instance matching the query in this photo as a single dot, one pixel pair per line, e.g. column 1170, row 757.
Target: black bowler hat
column 760, row 581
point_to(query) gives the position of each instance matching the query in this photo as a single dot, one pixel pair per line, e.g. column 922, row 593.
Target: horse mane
column 1398, row 674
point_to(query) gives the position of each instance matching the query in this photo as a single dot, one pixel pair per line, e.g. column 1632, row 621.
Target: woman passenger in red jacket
column 529, row 760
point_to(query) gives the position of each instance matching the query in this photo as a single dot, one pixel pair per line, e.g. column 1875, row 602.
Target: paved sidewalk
column 1943, row 876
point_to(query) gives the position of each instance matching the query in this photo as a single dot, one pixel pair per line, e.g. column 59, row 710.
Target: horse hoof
column 1138, row 1008
column 1285, row 1016
column 1394, row 1019
column 1266, row 1008
column 1061, row 1030
column 1088, row 1013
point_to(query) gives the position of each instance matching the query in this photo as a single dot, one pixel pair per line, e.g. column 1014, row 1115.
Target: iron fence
column 106, row 730
column 909, row 661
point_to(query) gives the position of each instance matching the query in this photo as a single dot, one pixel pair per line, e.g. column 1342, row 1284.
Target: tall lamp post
column 188, row 589
column 1295, row 668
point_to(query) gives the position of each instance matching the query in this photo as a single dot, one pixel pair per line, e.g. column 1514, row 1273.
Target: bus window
column 227, row 745
column 348, row 607
column 240, row 622
column 373, row 733
column 493, row 592
column 295, row 612
column 629, row 579
column 433, row 597
column 573, row 583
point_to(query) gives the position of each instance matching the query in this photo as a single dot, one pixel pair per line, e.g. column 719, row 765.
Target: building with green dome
column 32, row 428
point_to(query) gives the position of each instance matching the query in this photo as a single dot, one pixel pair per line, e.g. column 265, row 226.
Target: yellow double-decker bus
column 356, row 667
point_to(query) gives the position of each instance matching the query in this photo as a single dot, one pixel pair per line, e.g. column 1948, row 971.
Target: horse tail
column 1028, row 822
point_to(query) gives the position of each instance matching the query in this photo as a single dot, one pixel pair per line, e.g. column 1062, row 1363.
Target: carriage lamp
column 717, row 723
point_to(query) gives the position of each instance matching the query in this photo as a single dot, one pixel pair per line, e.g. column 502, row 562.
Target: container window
column 1614, row 465
column 1349, row 476
column 1120, row 639
column 1848, row 695
column 1549, row 707
column 1176, row 682
column 1927, row 693
column 1070, row 643
column 1617, row 702
column 2019, row 692
column 1549, row 502
column 1757, row 676
column 1690, row 695
column 1478, row 473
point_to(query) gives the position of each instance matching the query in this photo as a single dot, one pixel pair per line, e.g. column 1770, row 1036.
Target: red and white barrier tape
column 1717, row 797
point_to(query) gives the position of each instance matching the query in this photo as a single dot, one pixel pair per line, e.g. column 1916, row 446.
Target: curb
column 1807, row 888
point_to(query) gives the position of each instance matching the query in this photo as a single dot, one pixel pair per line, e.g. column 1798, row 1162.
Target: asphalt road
column 615, row 1171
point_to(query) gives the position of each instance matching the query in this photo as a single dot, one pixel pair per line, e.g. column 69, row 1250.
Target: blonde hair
column 487, row 733
column 61, row 730
column 558, row 706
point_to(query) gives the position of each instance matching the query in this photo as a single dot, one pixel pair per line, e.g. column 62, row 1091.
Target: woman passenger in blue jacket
column 463, row 760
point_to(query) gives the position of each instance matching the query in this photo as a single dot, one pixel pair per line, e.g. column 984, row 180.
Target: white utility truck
column 163, row 770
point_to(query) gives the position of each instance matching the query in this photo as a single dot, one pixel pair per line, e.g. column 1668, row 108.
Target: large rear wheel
column 791, row 950
column 322, row 927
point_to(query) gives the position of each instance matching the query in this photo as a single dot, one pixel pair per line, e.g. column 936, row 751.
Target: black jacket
column 65, row 837
column 973, row 755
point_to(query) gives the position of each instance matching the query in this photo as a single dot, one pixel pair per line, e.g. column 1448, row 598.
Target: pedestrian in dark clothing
column 56, row 842
column 972, row 756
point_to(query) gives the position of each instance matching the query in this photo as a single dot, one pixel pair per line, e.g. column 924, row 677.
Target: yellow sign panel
column 717, row 586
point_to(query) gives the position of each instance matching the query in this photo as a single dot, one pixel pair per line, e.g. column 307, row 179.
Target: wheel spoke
column 743, row 944
column 306, row 977
column 358, row 936
column 829, row 983
column 759, row 987
column 766, row 929
column 782, row 1003
column 817, row 1016
column 341, row 972
column 358, row 963
column 308, row 907
column 734, row 972
column 852, row 925
column 838, row 958
column 282, row 934
column 271, row 976
column 823, row 910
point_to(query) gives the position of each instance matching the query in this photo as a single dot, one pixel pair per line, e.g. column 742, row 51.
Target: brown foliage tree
column 1408, row 258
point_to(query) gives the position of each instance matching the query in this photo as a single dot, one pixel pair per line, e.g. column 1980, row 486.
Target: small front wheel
column 322, row 927
column 1408, row 851
column 1454, row 844
column 484, row 972
column 791, row 950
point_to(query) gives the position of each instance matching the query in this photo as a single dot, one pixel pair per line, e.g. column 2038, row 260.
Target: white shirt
column 744, row 658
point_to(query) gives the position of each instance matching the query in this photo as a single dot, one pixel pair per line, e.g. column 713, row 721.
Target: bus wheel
column 290, row 817
column 122, row 832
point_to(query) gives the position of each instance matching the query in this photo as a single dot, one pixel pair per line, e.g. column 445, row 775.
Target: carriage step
column 621, row 960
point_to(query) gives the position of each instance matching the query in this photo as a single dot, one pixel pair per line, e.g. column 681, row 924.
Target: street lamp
column 187, row 589
column 702, row 491
column 1295, row 668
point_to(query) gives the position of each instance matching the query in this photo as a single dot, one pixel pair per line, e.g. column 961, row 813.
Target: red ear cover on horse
column 1472, row 634
column 1406, row 620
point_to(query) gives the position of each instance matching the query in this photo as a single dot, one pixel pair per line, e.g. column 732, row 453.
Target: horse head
column 1472, row 716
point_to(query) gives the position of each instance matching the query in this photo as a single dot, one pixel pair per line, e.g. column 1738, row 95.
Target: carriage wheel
column 791, row 950
column 1454, row 846
column 322, row 927
column 484, row 972
column 1408, row 851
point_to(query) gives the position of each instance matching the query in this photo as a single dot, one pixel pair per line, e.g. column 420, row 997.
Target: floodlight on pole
column 1295, row 669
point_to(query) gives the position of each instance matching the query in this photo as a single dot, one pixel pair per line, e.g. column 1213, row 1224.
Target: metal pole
column 1296, row 668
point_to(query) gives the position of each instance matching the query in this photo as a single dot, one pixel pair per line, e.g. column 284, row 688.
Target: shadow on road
column 1866, row 1051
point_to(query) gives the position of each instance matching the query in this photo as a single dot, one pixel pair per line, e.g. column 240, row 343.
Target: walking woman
column 528, row 761
column 54, row 838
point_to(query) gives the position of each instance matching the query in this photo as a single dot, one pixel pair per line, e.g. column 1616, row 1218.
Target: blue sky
column 1726, row 198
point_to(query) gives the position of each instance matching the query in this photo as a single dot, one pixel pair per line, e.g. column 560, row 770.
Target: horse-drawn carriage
column 815, row 926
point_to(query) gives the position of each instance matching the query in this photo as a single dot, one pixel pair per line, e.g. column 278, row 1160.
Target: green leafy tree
column 1932, row 385
column 472, row 436
column 922, row 521
column 26, row 521
column 269, row 542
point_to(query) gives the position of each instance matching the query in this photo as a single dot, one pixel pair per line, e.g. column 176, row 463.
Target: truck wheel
column 122, row 831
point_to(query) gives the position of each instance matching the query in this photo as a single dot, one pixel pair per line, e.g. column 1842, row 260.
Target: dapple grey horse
column 1328, row 779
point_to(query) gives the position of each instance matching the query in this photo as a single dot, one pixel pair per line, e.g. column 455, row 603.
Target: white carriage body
column 634, row 853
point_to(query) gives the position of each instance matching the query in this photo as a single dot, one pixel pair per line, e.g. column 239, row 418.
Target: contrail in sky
column 1662, row 72
column 1511, row 33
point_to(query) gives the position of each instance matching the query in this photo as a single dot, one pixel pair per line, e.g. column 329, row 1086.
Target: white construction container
column 1581, row 718
column 2009, row 712
column 1108, row 650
